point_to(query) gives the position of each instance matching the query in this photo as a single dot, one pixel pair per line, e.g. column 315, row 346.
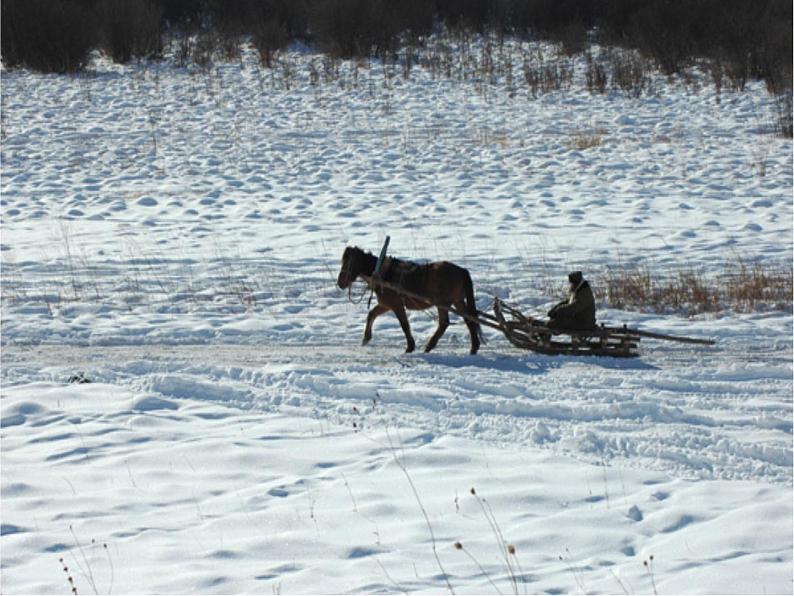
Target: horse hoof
column 365, row 341
column 427, row 349
column 410, row 349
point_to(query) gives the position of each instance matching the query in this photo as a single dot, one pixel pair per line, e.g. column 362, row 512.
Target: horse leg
column 399, row 312
column 373, row 314
column 443, row 323
column 474, row 332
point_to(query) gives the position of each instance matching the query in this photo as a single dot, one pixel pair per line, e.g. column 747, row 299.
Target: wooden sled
column 619, row 342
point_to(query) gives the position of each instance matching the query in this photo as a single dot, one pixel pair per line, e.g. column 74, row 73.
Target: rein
column 350, row 295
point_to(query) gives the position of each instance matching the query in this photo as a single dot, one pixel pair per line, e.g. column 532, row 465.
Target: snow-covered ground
column 175, row 237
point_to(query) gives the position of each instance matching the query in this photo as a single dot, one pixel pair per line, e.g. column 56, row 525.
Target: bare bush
column 782, row 122
column 664, row 31
column 204, row 49
column 630, row 72
column 572, row 38
column 546, row 75
column 182, row 46
column 131, row 29
column 51, row 36
column 596, row 75
column 228, row 40
column 750, row 40
column 269, row 37
column 717, row 72
column 350, row 28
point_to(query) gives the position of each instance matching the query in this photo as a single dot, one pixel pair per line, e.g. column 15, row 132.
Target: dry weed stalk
column 459, row 546
column 85, row 567
column 404, row 469
column 577, row 574
column 505, row 549
column 648, row 564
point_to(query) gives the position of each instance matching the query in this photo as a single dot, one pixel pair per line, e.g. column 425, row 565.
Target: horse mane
column 400, row 267
column 391, row 265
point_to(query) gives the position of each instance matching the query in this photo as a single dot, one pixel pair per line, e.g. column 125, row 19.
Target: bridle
column 350, row 294
column 348, row 266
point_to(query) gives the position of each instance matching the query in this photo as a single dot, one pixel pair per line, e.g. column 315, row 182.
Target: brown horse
column 443, row 283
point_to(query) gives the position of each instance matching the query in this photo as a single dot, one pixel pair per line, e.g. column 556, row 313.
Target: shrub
column 782, row 123
column 183, row 12
column 630, row 71
column 131, row 29
column 746, row 39
column 544, row 75
column 204, row 48
column 596, row 74
column 477, row 15
column 662, row 31
column 268, row 37
column 50, row 36
column 337, row 26
column 350, row 28
column 637, row 288
column 560, row 20
column 572, row 37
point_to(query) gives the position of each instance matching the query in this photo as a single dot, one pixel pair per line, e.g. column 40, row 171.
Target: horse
column 442, row 282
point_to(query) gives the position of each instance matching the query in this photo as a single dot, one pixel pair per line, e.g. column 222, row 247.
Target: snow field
column 237, row 501
column 175, row 236
column 149, row 160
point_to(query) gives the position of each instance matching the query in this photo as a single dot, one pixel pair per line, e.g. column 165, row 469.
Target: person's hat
column 575, row 277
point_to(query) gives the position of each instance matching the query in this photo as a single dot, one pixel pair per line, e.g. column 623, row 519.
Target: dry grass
column 751, row 288
column 740, row 287
column 584, row 140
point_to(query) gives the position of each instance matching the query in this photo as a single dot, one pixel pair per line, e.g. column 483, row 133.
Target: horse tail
column 471, row 305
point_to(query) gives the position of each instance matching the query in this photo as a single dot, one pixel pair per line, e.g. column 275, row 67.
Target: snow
column 174, row 237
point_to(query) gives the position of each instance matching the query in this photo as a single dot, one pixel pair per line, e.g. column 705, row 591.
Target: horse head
column 350, row 267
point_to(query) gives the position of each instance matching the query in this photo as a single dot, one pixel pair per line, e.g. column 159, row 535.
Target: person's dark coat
column 578, row 312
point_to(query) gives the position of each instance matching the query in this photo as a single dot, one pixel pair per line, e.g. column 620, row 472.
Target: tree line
column 750, row 40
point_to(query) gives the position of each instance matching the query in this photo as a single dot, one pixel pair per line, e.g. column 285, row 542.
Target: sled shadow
column 528, row 365
column 532, row 363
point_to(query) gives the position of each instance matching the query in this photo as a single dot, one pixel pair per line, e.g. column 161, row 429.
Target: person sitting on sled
column 578, row 311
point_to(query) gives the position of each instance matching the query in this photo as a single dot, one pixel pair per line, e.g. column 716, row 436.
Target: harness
column 394, row 271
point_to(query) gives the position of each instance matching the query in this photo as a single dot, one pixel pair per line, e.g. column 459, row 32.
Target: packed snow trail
column 230, row 469
column 716, row 413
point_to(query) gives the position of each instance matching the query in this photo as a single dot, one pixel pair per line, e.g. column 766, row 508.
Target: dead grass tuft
column 741, row 287
column 584, row 140
column 751, row 287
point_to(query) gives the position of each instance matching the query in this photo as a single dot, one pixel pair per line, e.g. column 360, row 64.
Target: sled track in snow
column 717, row 413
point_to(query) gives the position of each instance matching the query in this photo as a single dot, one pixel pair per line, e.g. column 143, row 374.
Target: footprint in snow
column 681, row 523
